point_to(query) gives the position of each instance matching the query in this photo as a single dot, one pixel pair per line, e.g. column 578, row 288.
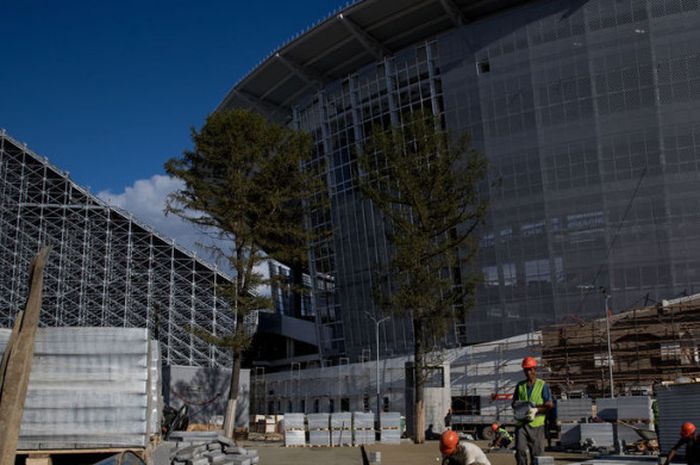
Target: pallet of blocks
column 363, row 428
column 341, row 429
column 390, row 424
column 319, row 429
column 294, row 433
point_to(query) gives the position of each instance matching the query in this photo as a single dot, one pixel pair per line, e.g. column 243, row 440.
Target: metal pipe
column 376, row 333
column 610, row 360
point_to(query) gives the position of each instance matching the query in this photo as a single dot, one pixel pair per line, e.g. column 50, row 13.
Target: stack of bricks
column 209, row 449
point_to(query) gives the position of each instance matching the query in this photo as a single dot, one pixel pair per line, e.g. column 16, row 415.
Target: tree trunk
column 230, row 417
column 418, row 381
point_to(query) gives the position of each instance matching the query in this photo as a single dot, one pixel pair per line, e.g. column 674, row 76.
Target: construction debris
column 209, row 448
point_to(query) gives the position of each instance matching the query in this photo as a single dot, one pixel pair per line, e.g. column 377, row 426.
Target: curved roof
column 357, row 35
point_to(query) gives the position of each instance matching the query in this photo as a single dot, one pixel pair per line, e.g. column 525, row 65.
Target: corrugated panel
column 89, row 387
column 574, row 409
column 600, row 433
column 677, row 404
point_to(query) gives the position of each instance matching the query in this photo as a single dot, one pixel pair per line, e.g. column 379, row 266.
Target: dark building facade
column 587, row 110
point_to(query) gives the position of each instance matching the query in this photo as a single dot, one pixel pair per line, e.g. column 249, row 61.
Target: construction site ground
column 406, row 453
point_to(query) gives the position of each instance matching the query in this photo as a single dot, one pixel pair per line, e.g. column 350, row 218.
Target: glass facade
column 589, row 115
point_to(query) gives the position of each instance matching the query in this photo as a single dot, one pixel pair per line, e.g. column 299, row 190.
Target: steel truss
column 105, row 268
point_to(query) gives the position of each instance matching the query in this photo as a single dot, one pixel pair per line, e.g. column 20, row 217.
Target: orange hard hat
column 687, row 429
column 529, row 362
column 448, row 442
column 494, row 427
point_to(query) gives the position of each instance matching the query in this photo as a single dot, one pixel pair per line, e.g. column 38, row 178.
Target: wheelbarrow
column 648, row 442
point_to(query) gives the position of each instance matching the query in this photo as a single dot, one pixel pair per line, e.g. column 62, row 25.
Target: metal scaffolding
column 105, row 268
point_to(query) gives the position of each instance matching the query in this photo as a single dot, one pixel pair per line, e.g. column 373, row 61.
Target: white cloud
column 146, row 198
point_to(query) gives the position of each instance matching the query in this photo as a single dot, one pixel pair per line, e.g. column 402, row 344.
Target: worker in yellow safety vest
column 501, row 437
column 531, row 401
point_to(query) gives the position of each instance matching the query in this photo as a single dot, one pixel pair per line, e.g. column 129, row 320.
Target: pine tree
column 245, row 182
column 426, row 185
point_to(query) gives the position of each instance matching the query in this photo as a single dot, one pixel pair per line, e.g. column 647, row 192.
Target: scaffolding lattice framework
column 105, row 268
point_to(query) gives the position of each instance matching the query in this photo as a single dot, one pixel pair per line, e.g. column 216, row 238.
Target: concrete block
column 198, row 461
column 188, row 452
column 241, row 460
column 234, row 450
column 214, row 446
column 251, row 452
column 544, row 460
column 220, row 459
column 225, row 441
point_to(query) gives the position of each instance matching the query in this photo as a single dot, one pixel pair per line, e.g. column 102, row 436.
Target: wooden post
column 13, row 391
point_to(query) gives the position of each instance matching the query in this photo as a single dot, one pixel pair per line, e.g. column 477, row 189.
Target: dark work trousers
column 528, row 438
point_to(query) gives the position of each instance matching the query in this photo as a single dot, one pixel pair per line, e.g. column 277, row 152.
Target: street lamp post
column 376, row 324
column 610, row 360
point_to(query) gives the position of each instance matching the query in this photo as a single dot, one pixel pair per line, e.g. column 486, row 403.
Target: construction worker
column 501, row 438
column 460, row 453
column 530, row 434
column 691, row 440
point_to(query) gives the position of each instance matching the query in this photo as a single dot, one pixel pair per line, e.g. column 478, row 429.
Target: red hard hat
column 687, row 429
column 448, row 442
column 494, row 427
column 529, row 362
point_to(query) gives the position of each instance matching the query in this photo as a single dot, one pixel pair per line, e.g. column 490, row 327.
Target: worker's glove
column 531, row 414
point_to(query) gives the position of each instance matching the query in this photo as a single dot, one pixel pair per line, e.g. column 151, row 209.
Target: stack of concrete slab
column 677, row 404
column 91, row 388
column 209, row 448
column 597, row 435
column 390, row 424
column 635, row 408
column 363, row 428
column 294, row 433
column 570, row 435
column 627, row 408
column 574, row 409
column 341, row 429
column 319, row 429
column 606, row 408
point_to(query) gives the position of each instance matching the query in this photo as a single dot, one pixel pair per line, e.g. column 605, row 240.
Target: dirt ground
column 405, row 454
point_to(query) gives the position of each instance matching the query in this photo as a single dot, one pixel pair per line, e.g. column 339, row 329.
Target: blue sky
column 108, row 90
